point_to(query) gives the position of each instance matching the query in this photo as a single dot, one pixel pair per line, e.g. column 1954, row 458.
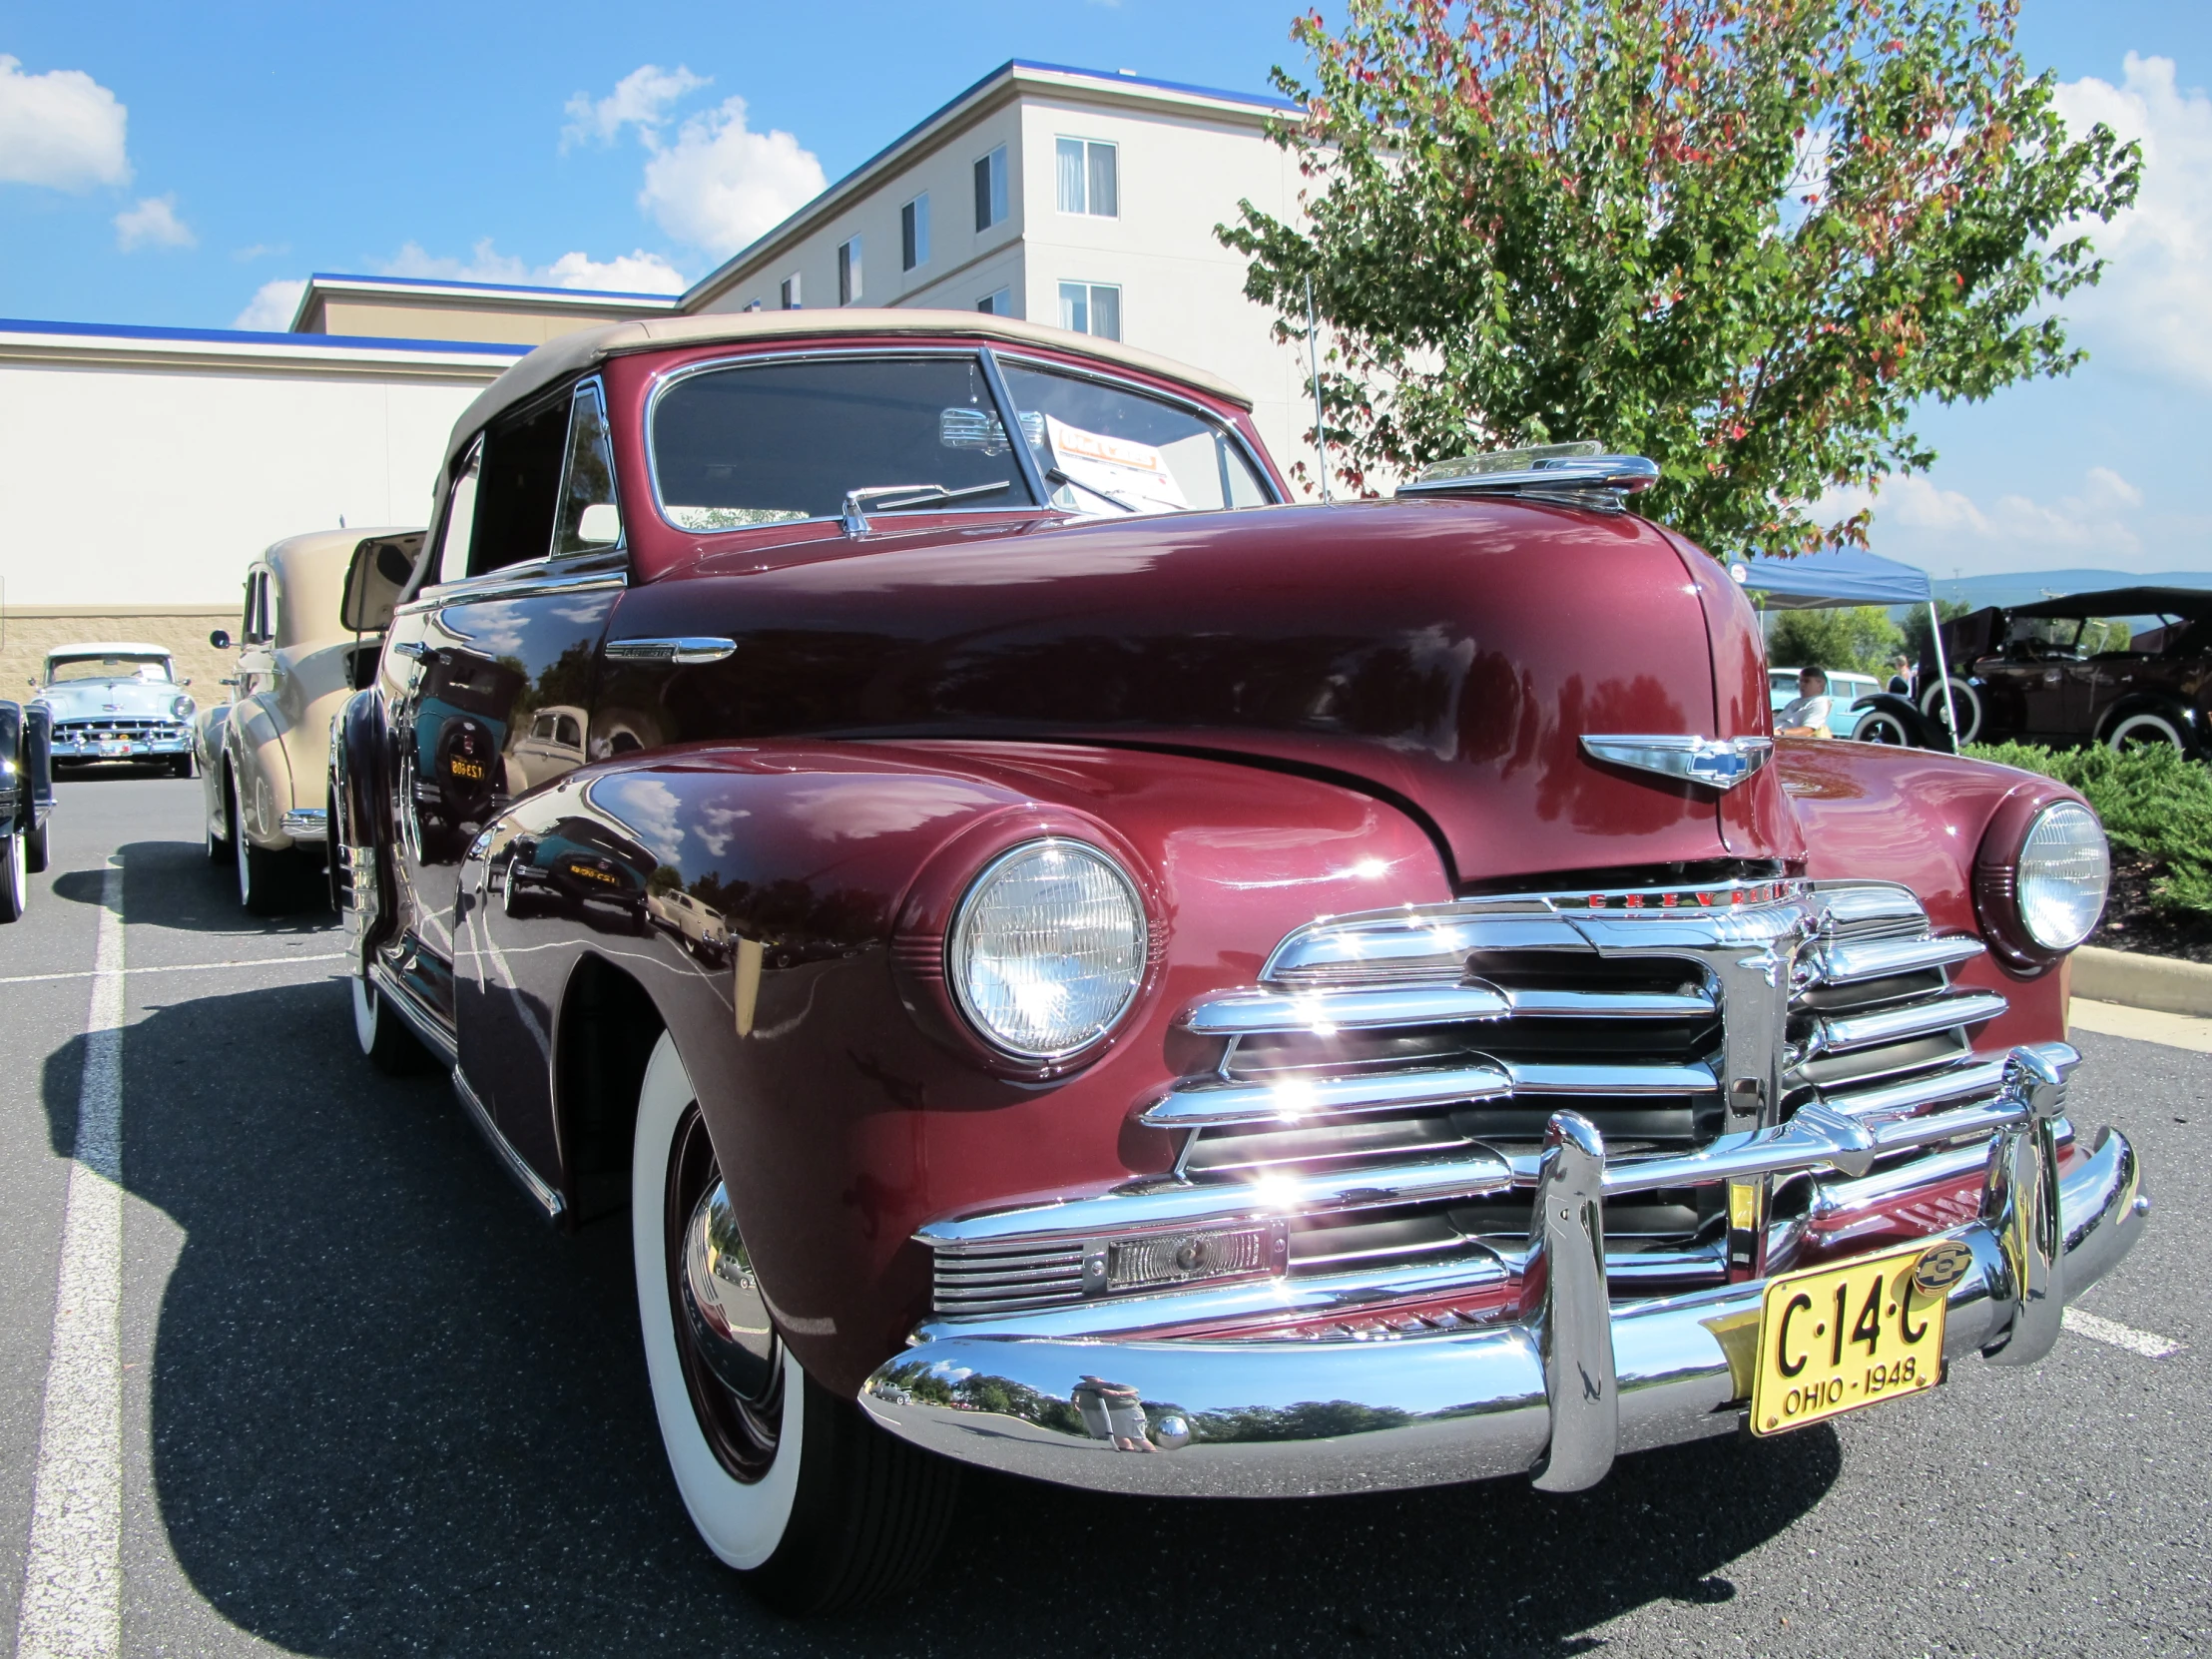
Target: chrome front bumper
column 1561, row 1391
column 121, row 749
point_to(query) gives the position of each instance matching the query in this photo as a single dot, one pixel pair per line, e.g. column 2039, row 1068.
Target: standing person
column 1806, row 715
column 1900, row 675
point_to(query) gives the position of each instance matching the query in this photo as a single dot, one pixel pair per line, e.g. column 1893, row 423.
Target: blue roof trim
column 668, row 300
column 1260, row 100
column 249, row 336
column 946, row 108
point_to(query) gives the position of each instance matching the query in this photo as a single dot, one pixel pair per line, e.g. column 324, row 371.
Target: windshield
column 1107, row 450
column 784, row 442
column 61, row 671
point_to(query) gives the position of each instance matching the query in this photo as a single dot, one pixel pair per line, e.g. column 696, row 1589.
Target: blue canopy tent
column 1845, row 576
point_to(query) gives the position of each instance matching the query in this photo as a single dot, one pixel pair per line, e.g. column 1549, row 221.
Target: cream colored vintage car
column 316, row 607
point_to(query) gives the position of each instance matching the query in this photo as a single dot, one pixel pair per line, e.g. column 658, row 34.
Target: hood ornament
column 1717, row 762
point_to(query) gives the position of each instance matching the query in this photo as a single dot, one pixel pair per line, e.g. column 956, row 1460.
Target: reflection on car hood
column 89, row 699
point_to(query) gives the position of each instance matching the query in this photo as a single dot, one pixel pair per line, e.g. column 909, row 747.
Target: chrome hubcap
column 722, row 1303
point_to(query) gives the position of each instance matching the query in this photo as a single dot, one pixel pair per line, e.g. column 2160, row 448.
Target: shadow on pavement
column 173, row 886
column 394, row 1412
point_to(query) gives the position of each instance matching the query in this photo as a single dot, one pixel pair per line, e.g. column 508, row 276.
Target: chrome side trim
column 524, row 579
column 1200, row 1102
column 1136, row 1210
column 1889, row 1025
column 525, row 1177
column 426, row 1024
column 688, row 648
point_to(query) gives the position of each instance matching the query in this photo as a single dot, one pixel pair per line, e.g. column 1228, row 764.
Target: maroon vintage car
column 1211, row 996
column 2046, row 672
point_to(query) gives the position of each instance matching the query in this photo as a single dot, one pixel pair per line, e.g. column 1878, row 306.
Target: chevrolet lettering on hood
column 1076, row 962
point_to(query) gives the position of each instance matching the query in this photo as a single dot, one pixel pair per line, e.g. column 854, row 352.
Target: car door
column 509, row 621
column 254, row 723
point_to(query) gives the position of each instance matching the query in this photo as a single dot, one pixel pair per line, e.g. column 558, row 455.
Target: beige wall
column 416, row 319
column 1182, row 291
column 26, row 637
column 1181, row 171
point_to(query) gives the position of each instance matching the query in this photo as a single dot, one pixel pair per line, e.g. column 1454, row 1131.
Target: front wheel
column 15, row 876
column 786, row 1483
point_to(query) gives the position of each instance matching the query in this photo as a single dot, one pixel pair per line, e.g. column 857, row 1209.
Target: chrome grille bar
column 1833, row 1035
column 1252, row 1011
column 1295, row 1098
column 1846, row 964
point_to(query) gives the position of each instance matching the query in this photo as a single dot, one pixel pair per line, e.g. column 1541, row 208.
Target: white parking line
column 175, row 967
column 72, row 1604
column 2084, row 1323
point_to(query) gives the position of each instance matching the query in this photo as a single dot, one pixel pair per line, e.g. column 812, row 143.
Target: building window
column 990, row 188
column 1090, row 177
column 849, row 270
column 751, row 304
column 913, row 233
column 1091, row 308
column 790, row 292
column 1001, row 304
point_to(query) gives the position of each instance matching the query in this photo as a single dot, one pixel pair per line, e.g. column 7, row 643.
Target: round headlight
column 2065, row 867
column 181, row 708
column 1047, row 948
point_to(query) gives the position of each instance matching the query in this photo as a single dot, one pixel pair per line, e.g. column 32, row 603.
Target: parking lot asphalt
column 370, row 1404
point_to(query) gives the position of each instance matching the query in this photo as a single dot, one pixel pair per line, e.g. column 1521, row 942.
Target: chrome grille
column 1385, row 1087
column 118, row 726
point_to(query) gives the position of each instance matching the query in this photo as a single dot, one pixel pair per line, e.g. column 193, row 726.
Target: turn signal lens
column 1048, row 949
column 2065, row 867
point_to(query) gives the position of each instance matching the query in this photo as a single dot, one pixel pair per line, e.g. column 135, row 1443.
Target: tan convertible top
column 554, row 361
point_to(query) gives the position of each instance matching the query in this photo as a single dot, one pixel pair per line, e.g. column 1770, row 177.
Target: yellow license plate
column 1832, row 1340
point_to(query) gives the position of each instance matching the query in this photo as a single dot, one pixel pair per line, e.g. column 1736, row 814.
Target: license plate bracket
column 1835, row 1338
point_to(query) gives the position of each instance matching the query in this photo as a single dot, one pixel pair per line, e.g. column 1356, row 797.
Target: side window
column 1112, row 450
column 588, row 518
column 518, row 489
column 454, row 535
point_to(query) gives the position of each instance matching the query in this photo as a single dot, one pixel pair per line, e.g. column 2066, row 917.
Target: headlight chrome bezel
column 956, row 974
column 1999, row 902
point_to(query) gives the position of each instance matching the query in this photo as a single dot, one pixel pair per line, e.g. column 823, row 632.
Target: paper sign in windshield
column 1133, row 473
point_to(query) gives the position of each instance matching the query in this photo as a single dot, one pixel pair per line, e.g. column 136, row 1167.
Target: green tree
column 1916, row 626
column 1741, row 237
column 1858, row 637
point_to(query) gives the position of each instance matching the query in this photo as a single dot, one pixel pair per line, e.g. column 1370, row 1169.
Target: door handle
column 409, row 648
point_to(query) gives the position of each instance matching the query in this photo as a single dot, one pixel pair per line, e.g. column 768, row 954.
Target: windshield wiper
column 1054, row 476
column 905, row 495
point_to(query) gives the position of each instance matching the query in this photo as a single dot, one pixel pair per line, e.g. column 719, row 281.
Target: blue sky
column 162, row 164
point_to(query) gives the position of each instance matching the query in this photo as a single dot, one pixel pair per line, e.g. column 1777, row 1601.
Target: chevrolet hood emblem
column 1717, row 762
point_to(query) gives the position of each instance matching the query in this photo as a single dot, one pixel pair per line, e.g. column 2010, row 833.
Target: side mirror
column 183, row 682
column 219, row 638
column 374, row 581
column 599, row 524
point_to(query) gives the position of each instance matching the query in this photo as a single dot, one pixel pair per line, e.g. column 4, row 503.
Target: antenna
column 1312, row 367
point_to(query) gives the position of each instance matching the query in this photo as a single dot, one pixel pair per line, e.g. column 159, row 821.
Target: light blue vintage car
column 114, row 700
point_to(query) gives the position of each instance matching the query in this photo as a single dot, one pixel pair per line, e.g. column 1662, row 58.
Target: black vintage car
column 2053, row 672
column 26, row 799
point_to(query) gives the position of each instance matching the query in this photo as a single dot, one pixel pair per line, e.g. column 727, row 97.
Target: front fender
column 254, row 742
column 360, row 823
column 846, row 1107
column 1910, row 816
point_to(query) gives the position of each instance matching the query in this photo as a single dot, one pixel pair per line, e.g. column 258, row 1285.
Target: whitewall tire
column 784, row 1481
column 383, row 1036
column 2147, row 728
column 1965, row 698
column 15, row 877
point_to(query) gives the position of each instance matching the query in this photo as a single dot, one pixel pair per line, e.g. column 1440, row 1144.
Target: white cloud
column 1942, row 530
column 2150, row 310
column 719, row 183
column 272, row 306
column 152, row 223
column 62, row 129
column 641, row 99
column 636, row 273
